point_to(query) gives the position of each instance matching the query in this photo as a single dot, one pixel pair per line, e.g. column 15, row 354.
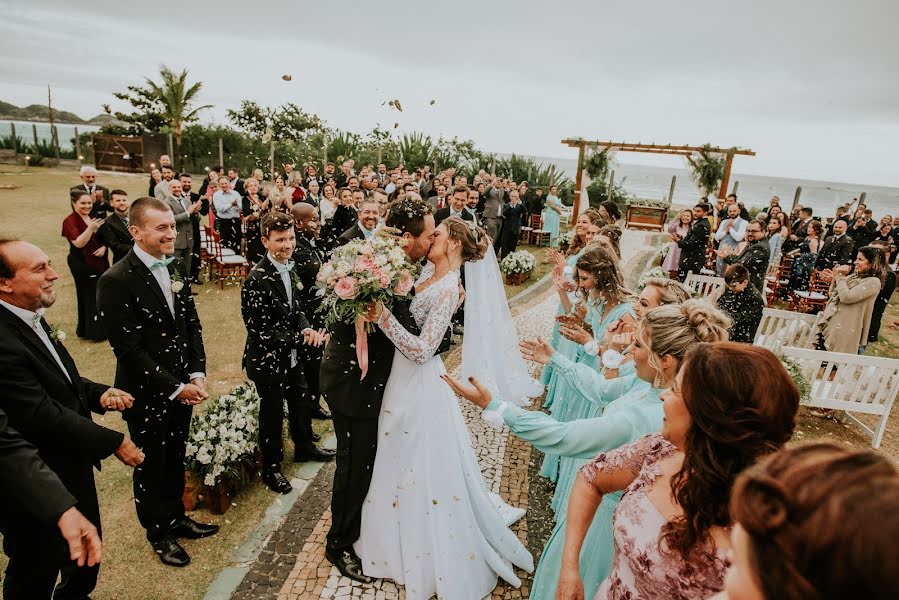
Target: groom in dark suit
column 49, row 404
column 276, row 331
column 153, row 326
column 113, row 233
column 355, row 405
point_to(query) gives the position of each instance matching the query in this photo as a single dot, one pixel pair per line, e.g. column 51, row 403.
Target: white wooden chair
column 852, row 383
column 704, row 286
column 780, row 328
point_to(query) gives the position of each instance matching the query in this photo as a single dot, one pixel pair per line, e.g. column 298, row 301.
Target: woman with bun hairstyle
column 632, row 409
column 815, row 522
column 429, row 521
column 672, row 525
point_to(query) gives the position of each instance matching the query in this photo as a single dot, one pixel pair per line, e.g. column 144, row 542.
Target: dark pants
column 684, row 268
column 509, row 241
column 273, row 394
column 357, row 444
column 195, row 255
column 38, row 553
column 311, row 357
column 89, row 326
column 159, row 481
column 230, row 231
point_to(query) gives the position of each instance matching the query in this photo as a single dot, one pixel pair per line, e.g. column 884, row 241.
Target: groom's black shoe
column 190, row 529
column 170, row 552
column 314, row 454
column 348, row 564
column 321, row 414
column 276, row 481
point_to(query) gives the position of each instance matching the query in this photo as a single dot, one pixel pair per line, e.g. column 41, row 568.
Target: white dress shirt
column 32, row 319
column 223, row 207
column 162, row 277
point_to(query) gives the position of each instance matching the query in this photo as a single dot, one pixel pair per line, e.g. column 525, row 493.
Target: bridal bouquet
column 359, row 274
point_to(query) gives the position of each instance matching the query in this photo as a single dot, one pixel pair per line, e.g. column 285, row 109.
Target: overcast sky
column 811, row 86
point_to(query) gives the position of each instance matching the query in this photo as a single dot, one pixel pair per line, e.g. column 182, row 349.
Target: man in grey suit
column 493, row 211
column 185, row 212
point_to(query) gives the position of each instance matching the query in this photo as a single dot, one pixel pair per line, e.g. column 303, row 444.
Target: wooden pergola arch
column 582, row 146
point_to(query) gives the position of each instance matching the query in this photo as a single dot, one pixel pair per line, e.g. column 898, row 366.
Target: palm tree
column 176, row 99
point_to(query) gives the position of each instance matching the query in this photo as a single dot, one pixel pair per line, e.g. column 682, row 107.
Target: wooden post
column 271, row 160
column 796, row 197
column 671, row 189
column 221, row 153
column 325, row 154
column 722, row 191
column 78, row 154
column 578, row 179
column 379, row 153
column 493, row 166
column 736, row 185
column 15, row 142
column 861, row 199
column 611, row 186
column 172, row 151
column 34, row 133
column 54, row 138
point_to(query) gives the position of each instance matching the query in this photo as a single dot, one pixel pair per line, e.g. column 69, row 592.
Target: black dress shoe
column 348, row 564
column 170, row 552
column 190, row 529
column 321, row 414
column 314, row 454
column 276, row 482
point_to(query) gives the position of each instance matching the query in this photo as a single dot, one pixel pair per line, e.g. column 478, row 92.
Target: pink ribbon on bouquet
column 361, row 346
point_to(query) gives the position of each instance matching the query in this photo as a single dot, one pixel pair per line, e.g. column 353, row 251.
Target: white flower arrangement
column 57, row 334
column 565, row 238
column 655, row 272
column 521, row 261
column 225, row 436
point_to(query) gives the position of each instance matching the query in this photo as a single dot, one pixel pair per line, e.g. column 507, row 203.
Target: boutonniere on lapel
column 295, row 280
column 177, row 281
column 57, row 334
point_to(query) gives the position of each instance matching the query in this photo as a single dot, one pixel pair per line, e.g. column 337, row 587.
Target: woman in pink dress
column 672, row 525
column 681, row 226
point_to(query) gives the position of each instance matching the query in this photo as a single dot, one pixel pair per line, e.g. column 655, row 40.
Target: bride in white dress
column 429, row 521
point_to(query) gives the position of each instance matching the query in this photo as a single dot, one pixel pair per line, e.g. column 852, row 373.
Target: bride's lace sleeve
column 420, row 349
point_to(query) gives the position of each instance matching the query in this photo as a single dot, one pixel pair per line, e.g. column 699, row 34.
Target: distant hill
column 39, row 112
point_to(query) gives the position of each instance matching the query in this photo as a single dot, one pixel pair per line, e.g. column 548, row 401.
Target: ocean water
column 25, row 132
column 653, row 182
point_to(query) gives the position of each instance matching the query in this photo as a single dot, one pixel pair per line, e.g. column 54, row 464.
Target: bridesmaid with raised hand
column 632, row 410
column 672, row 525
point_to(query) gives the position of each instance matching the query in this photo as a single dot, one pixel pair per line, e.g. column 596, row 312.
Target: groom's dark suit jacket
column 51, row 412
column 340, row 384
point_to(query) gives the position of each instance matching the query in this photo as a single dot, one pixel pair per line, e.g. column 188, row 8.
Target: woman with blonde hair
column 632, row 409
column 279, row 197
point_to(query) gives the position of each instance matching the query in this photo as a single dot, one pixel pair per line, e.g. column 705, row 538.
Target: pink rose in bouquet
column 345, row 288
column 404, row 285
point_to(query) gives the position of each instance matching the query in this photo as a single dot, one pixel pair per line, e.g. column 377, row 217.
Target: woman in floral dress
column 671, row 528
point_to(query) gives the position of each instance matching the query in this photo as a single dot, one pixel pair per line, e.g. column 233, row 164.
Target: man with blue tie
column 270, row 302
column 365, row 227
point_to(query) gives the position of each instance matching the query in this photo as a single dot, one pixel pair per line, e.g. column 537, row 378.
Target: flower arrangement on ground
column 518, row 262
column 798, row 374
column 566, row 237
column 225, row 438
column 653, row 273
column 359, row 274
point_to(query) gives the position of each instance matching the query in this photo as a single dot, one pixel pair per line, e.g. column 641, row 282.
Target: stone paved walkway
column 292, row 565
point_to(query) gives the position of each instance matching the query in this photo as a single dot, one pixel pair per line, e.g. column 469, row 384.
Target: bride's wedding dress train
column 429, row 521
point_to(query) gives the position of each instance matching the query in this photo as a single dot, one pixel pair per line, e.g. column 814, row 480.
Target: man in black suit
column 113, row 233
column 755, row 256
column 356, row 403
column 308, row 257
column 837, row 249
column 276, row 330
column 365, row 227
column 193, row 198
column 693, row 246
column 456, row 208
column 153, row 326
column 49, row 404
column 99, row 194
column 36, row 489
column 514, row 215
column 236, row 181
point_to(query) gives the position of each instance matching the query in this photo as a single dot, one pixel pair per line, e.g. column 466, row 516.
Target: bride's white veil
column 490, row 343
